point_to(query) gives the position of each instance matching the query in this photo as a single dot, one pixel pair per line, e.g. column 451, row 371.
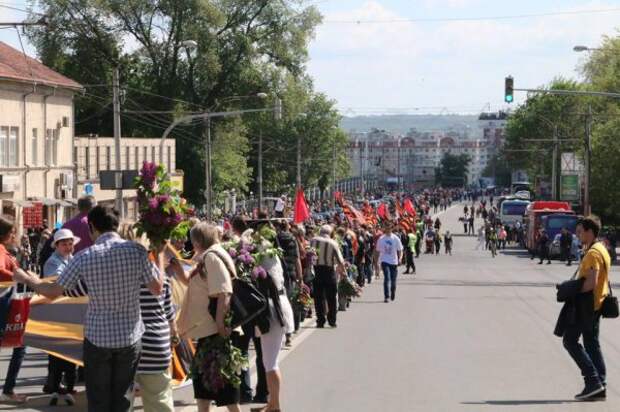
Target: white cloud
column 404, row 64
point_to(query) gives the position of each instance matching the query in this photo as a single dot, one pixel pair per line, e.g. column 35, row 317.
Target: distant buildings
column 379, row 158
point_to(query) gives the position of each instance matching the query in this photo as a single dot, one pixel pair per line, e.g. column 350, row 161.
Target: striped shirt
column 157, row 313
column 328, row 251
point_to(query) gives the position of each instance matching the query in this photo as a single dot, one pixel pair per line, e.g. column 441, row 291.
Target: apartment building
column 36, row 140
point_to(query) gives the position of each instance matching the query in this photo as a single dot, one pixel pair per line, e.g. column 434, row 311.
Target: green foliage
column 499, row 167
column 243, row 47
column 452, row 170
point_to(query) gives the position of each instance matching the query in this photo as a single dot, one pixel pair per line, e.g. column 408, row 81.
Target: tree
column 243, row 47
column 452, row 170
column 499, row 166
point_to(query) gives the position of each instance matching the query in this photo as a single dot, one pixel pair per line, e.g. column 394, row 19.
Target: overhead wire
column 476, row 18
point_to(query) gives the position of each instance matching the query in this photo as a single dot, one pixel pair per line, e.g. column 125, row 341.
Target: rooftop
column 16, row 66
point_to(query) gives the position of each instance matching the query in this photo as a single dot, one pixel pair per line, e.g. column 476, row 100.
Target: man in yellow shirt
column 594, row 268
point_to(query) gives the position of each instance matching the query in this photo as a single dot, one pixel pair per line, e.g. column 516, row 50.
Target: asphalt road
column 468, row 333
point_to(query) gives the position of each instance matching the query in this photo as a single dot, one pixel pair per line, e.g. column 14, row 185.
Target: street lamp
column 581, row 48
column 206, row 116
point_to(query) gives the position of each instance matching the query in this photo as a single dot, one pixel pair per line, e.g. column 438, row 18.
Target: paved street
column 468, row 333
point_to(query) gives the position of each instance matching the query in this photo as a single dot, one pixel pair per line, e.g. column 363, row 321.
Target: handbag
column 609, row 308
column 246, row 303
column 15, row 308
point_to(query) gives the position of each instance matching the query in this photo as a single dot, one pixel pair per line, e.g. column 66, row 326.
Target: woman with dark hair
column 8, row 264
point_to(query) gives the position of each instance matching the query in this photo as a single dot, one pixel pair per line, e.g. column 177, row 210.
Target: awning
column 22, row 203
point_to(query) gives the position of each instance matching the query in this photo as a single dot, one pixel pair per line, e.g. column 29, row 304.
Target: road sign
column 569, row 187
column 571, row 164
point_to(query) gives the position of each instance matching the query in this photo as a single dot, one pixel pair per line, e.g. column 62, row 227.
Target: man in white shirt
column 390, row 252
column 279, row 207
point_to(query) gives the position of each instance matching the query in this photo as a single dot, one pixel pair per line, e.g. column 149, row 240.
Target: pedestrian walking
column 412, row 239
column 543, row 247
column 447, row 239
column 328, row 268
column 8, row 264
column 566, row 243
column 211, row 279
column 471, row 224
column 594, row 270
column 437, row 242
column 389, row 250
column 114, row 270
column 63, row 245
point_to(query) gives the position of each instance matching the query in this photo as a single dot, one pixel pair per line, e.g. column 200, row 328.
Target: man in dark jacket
column 566, row 241
column 543, row 247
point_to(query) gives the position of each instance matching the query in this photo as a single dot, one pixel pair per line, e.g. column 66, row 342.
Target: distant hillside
column 402, row 123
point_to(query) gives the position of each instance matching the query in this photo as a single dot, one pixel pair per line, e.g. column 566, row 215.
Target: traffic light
column 509, row 90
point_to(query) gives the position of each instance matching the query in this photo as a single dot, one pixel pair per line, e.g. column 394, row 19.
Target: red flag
column 302, row 213
column 408, row 205
column 382, row 211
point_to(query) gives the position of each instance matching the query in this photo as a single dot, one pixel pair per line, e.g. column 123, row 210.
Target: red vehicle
column 533, row 218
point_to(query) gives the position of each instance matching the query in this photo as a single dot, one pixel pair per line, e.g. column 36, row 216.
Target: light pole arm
column 205, row 115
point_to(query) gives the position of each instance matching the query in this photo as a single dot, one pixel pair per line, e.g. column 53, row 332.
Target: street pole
column 334, row 176
column 554, row 170
column 398, row 167
column 362, row 147
column 588, row 153
column 260, row 170
column 298, row 162
column 117, row 139
column 208, row 167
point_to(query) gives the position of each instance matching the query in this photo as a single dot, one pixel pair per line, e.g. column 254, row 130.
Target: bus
column 511, row 211
column 533, row 218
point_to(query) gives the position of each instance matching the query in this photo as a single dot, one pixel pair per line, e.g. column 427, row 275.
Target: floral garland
column 218, row 364
column 163, row 212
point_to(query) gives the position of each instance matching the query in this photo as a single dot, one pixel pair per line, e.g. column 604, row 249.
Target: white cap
column 63, row 234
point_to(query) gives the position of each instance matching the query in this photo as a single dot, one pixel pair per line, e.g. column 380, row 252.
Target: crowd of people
column 132, row 321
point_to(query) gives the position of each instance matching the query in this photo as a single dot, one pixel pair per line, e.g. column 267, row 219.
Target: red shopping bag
column 13, row 328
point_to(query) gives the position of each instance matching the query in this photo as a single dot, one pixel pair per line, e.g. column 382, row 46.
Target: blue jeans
column 14, row 366
column 389, row 280
column 588, row 357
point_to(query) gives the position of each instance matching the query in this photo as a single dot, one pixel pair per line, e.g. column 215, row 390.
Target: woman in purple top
column 79, row 224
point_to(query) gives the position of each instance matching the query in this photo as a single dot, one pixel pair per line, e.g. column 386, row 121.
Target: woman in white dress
column 281, row 322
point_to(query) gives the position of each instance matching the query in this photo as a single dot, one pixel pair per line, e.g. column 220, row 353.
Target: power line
column 479, row 18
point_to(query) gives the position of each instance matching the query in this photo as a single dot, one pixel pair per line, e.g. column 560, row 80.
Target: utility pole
column 117, row 141
column 587, row 208
column 334, row 176
column 554, row 170
column 208, row 167
column 398, row 167
column 298, row 162
column 362, row 145
column 260, row 170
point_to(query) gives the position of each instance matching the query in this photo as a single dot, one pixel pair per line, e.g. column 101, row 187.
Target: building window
column 55, row 140
column 97, row 160
column 34, row 151
column 107, row 157
column 169, row 159
column 48, row 147
column 136, row 153
column 75, row 154
column 145, row 154
column 87, row 162
column 4, row 140
column 154, row 160
column 127, row 158
column 13, row 146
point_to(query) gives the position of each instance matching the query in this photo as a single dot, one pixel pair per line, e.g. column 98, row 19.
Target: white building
column 36, row 139
column 94, row 154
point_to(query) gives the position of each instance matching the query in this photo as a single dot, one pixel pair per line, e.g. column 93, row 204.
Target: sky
column 388, row 66
column 371, row 58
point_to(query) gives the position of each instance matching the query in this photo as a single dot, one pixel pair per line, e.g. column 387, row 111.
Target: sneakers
column 386, row 300
column 69, row 399
column 601, row 396
column 54, row 399
column 13, row 398
column 590, row 391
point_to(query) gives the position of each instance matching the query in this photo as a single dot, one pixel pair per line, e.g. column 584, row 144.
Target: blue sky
column 459, row 66
column 432, row 67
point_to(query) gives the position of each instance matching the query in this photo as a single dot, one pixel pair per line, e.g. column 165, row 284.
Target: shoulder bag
column 246, row 302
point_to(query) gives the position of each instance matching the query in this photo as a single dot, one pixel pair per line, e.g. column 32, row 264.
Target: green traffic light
column 509, row 98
